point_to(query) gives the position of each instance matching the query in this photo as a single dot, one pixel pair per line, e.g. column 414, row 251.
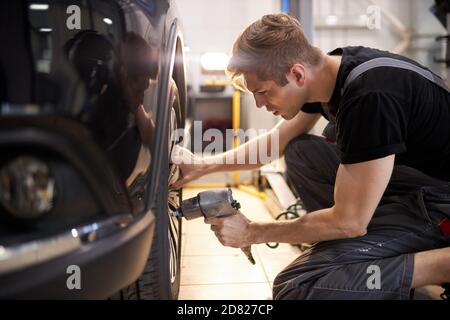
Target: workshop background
column 407, row 27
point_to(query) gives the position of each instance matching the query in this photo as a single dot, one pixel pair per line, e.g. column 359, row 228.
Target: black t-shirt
column 389, row 110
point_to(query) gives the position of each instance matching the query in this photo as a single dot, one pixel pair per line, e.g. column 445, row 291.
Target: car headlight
column 27, row 188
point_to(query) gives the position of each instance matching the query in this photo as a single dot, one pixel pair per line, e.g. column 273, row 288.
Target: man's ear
column 297, row 72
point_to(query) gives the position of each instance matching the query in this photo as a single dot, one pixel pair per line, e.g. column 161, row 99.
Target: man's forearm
column 262, row 149
column 321, row 225
column 250, row 155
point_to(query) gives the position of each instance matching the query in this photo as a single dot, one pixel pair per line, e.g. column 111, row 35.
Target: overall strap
column 395, row 63
column 385, row 62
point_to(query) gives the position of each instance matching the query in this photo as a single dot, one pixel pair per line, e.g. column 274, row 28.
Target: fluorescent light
column 331, row 20
column 214, row 61
column 38, row 6
column 74, row 233
column 107, row 20
column 45, row 29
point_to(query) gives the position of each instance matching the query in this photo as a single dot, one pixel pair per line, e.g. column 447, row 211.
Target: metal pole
column 303, row 11
column 236, row 117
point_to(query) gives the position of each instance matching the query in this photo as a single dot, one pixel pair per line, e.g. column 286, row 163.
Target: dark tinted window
column 15, row 57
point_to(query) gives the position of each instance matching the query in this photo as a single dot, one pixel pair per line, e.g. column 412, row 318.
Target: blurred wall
column 213, row 25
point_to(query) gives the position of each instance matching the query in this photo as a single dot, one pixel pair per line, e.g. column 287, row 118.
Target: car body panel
column 100, row 273
column 77, row 102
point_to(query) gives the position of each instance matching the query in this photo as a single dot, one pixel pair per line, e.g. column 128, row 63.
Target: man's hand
column 191, row 166
column 232, row 231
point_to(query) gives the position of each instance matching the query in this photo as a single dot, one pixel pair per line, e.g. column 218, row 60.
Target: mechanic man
column 378, row 198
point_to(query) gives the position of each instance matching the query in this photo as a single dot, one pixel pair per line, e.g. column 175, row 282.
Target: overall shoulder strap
column 381, row 62
column 395, row 63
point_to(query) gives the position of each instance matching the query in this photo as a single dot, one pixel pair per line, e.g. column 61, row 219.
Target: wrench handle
column 248, row 252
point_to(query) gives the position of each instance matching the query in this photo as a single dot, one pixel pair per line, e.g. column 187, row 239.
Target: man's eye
column 262, row 92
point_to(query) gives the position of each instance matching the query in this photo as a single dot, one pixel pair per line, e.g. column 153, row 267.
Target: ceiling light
column 214, row 61
column 331, row 20
column 38, row 6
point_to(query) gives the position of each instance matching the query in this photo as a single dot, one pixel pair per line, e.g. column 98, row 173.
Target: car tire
column 161, row 277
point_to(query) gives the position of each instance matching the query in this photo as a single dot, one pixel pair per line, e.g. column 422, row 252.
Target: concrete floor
column 212, row 271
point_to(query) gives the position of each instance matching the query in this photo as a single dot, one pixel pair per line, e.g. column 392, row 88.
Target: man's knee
column 279, row 287
column 287, row 289
column 297, row 146
column 303, row 151
column 311, row 151
column 292, row 282
column 296, row 281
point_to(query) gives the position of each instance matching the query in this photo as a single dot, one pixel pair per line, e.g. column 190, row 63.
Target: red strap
column 444, row 225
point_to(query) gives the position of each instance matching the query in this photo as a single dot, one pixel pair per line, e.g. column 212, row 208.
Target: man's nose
column 260, row 101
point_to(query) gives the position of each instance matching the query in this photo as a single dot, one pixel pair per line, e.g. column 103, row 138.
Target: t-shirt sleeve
column 315, row 107
column 370, row 126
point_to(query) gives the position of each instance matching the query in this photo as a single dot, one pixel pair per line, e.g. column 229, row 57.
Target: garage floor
column 212, row 271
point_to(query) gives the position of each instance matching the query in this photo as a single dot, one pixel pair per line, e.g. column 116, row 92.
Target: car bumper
column 107, row 256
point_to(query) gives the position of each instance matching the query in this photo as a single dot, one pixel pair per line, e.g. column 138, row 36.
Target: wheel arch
column 168, row 67
column 179, row 76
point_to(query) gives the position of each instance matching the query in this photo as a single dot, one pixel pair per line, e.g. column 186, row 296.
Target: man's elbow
column 354, row 231
column 352, row 227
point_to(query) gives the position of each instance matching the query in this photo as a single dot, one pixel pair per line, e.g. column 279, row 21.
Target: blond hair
column 269, row 47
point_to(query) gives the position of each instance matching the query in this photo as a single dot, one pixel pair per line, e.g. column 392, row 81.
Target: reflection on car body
column 80, row 128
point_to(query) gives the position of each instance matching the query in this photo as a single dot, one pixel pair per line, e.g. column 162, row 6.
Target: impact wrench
column 212, row 204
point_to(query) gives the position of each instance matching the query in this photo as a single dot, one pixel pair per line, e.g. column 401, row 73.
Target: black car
column 91, row 92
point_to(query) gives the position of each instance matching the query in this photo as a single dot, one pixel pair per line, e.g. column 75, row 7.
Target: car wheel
column 161, row 276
